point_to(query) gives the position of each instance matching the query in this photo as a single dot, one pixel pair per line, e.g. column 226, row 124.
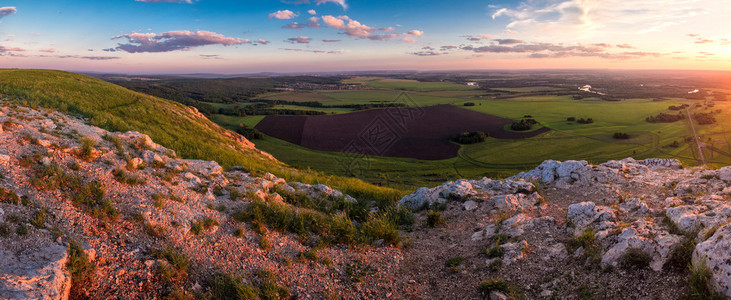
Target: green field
column 502, row 158
column 510, row 95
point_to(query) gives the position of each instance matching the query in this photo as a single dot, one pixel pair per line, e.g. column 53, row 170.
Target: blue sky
column 182, row 36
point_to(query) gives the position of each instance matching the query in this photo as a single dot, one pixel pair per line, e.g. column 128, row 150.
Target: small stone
column 470, row 205
column 495, row 295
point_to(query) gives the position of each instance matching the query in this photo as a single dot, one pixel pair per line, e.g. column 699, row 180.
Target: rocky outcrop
column 716, row 254
column 506, row 195
column 36, row 274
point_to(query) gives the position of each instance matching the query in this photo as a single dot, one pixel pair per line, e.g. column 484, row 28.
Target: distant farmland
column 421, row 133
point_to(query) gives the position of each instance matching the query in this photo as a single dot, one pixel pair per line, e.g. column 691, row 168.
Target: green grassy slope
column 168, row 123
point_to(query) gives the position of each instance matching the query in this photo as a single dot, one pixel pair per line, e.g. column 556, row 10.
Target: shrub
column 205, row 223
column 264, row 286
column 571, row 119
column 469, row 104
column 91, row 197
column 621, row 136
column 634, row 259
column 39, row 218
column 523, row 125
column 453, row 263
column 154, row 230
column 402, row 216
column 264, row 242
column 115, row 141
column 665, row 118
column 470, row 137
column 704, row 118
column 342, row 229
column 681, row 257
column 587, row 241
column 699, row 283
column 9, row 196
column 249, row 133
column 81, row 269
column 495, row 252
column 122, row 176
column 87, row 148
column 433, row 218
column 491, row 285
column 585, row 121
column 176, row 268
column 380, row 227
column 231, row 287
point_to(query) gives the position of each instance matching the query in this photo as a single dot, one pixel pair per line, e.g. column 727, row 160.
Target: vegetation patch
column 81, row 269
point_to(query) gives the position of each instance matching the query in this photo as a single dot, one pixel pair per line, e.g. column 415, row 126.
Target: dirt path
column 695, row 135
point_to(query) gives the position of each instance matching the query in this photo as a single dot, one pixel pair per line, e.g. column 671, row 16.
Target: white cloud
column 166, row 1
column 312, row 12
column 583, row 18
column 339, row 2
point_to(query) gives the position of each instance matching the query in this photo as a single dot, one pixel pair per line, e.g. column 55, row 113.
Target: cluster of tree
column 704, row 118
column 260, row 109
column 470, row 137
column 674, row 144
column 523, row 125
column 720, row 96
column 700, row 95
column 621, row 136
column 673, row 107
column 665, row 118
column 249, row 133
column 585, row 121
column 571, row 119
column 469, row 104
column 320, row 105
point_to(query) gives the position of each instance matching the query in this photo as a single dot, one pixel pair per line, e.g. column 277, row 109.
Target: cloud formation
column 4, row 49
column 701, row 40
column 313, row 22
column 314, row 51
column 508, row 41
column 283, row 14
column 477, row 38
column 166, row 1
column 299, row 40
column 596, row 18
column 551, row 50
column 8, row 10
column 172, row 40
column 318, row 2
column 89, row 57
column 356, row 29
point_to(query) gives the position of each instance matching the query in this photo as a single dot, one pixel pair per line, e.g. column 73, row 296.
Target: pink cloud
column 8, row 10
column 173, row 40
column 299, row 40
column 415, row 33
column 51, row 50
column 166, row 1
column 283, row 14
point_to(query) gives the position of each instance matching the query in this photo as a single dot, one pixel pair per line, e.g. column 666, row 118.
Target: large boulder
column 725, row 174
column 40, row 274
column 588, row 214
column 717, row 256
column 562, row 174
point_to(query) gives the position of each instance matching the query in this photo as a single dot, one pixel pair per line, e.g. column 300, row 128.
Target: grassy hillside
column 168, row 123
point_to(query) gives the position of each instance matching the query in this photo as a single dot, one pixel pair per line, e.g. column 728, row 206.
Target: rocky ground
column 90, row 214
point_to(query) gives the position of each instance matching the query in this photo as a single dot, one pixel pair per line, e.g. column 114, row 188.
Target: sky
column 235, row 37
